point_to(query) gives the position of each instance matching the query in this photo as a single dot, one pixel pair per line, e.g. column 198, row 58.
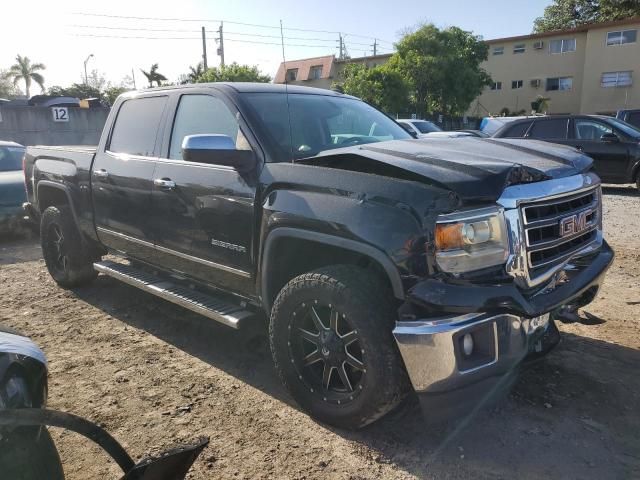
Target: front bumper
column 506, row 328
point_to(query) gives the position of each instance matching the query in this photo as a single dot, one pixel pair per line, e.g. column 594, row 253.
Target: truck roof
column 253, row 87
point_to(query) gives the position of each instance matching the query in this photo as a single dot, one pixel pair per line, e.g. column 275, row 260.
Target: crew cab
column 381, row 262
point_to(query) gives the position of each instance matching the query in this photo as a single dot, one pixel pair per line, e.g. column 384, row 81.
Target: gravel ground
column 155, row 375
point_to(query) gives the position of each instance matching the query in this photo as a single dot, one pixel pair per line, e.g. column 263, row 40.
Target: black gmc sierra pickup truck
column 380, row 261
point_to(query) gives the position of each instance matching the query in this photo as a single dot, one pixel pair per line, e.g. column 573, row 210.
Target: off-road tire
column 369, row 307
column 76, row 268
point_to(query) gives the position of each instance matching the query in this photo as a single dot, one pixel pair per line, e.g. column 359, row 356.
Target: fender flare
column 358, row 247
column 50, row 184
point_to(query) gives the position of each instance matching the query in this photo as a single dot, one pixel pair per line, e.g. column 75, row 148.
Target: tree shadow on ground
column 571, row 415
column 19, row 249
column 620, row 190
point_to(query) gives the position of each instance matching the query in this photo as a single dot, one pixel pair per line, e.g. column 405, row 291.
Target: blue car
column 12, row 189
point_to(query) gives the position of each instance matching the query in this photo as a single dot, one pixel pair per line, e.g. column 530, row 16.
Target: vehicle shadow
column 570, row 415
column 624, row 191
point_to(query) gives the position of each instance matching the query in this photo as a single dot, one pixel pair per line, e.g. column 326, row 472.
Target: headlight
column 471, row 240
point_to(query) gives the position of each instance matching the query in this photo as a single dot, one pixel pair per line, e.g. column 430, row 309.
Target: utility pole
column 133, row 77
column 375, row 46
column 341, row 56
column 221, row 45
column 204, row 49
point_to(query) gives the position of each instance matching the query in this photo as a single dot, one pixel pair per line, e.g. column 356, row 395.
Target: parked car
column 378, row 260
column 629, row 116
column 614, row 145
column 418, row 128
column 475, row 133
column 12, row 188
column 490, row 125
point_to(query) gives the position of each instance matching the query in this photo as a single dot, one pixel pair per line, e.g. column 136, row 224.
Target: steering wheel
column 354, row 141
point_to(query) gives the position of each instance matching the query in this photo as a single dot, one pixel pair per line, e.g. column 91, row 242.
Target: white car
column 418, row 127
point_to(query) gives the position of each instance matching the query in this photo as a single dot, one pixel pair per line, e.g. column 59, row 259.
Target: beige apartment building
column 321, row 72
column 589, row 70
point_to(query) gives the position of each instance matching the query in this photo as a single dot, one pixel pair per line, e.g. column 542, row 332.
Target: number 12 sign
column 60, row 114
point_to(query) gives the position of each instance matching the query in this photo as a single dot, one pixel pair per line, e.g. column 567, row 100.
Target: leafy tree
column 564, row 14
column 24, row 70
column 233, row 73
column 382, row 87
column 111, row 93
column 154, row 76
column 78, row 90
column 7, row 88
column 442, row 68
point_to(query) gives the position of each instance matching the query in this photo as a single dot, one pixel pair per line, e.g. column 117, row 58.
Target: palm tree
column 153, row 75
column 27, row 71
column 195, row 73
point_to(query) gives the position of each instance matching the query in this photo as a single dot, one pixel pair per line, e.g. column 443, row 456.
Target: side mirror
column 609, row 138
column 217, row 150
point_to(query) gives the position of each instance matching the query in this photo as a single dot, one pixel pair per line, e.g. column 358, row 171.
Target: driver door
column 610, row 158
column 203, row 214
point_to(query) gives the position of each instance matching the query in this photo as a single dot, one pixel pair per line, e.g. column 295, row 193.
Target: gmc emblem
column 573, row 224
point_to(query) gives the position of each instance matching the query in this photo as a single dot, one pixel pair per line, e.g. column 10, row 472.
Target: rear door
column 610, row 159
column 203, row 224
column 122, row 177
column 553, row 130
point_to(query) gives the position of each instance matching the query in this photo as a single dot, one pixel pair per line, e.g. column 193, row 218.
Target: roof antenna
column 286, row 92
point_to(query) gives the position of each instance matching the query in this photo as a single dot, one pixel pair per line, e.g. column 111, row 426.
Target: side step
column 202, row 303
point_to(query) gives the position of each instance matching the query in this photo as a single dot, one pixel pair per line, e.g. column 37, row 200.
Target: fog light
column 467, row 344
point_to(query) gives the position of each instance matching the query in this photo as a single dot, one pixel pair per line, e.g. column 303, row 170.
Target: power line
column 195, row 38
column 127, row 17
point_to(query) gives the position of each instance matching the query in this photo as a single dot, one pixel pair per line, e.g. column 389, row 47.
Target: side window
column 551, row 128
column 518, row 130
column 202, row 114
column 137, row 125
column 591, row 129
column 634, row 119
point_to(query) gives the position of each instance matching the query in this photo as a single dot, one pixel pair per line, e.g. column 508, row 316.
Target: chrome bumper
column 432, row 349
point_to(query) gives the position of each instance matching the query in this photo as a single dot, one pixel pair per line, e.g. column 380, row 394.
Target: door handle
column 165, row 183
column 102, row 173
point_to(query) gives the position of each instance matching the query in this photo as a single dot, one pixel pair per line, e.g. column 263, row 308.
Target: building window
column 621, row 37
column 516, row 84
column 562, row 46
column 292, row 75
column 496, row 86
column 520, row 48
column 498, row 50
column 616, row 79
column 315, row 72
column 559, row 83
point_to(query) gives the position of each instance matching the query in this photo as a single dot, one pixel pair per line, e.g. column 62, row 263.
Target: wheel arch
column 50, row 194
column 341, row 250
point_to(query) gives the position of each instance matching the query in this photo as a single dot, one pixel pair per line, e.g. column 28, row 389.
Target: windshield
column 625, row 127
column 11, row 158
column 426, row 127
column 320, row 122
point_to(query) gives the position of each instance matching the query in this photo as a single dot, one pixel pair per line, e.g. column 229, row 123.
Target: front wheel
column 64, row 254
column 331, row 341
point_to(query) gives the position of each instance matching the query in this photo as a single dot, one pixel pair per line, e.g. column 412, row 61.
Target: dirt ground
column 155, row 375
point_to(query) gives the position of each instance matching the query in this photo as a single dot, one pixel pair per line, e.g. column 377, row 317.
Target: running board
column 212, row 307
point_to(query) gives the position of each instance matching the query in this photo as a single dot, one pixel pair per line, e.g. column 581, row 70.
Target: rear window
column 551, row 128
column 11, row 158
column 426, row 127
column 137, row 125
column 517, row 130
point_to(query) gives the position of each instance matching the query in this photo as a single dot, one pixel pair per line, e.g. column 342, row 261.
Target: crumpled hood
column 12, row 190
column 476, row 169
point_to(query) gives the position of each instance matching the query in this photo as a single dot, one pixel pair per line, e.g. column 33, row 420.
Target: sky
column 63, row 33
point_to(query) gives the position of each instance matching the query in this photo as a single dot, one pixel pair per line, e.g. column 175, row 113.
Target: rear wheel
column 64, row 254
column 332, row 344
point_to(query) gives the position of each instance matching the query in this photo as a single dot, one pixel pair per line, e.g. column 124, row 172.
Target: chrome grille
column 554, row 230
